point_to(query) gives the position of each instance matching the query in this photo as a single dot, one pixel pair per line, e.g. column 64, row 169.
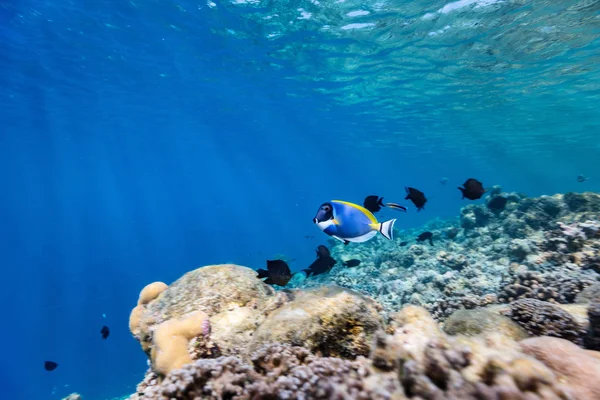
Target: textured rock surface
column 415, row 361
column 329, row 320
column 226, row 310
column 482, row 322
column 592, row 338
column 545, row 248
column 540, row 318
column 577, row 368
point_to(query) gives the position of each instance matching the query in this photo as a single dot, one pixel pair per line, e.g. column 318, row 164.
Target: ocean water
column 142, row 139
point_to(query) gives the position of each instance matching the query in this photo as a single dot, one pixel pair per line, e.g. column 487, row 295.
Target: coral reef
column 225, row 310
column 504, row 305
column 415, row 360
column 545, row 248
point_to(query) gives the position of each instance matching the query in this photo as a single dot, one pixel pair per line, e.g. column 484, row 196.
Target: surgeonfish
column 416, row 196
column 349, row 222
column 472, row 190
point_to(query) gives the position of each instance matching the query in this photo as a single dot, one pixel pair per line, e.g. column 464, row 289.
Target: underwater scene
column 305, row 199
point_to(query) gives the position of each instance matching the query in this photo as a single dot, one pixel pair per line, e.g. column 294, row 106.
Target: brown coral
column 540, row 318
column 329, row 320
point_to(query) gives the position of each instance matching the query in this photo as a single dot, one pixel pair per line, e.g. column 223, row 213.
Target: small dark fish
column 497, row 203
column 309, row 237
column 582, row 178
column 323, row 251
column 402, row 244
column 472, row 190
column 320, row 266
column 50, row 365
column 373, row 203
column 416, row 196
column 105, row 332
column 277, row 273
column 352, row 263
column 426, row 236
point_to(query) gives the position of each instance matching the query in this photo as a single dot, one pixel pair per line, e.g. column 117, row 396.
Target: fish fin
column 462, row 191
column 338, row 238
column 262, row 273
column 268, row 281
column 335, row 221
column 387, row 229
column 380, row 202
column 431, row 241
column 396, row 206
column 346, row 242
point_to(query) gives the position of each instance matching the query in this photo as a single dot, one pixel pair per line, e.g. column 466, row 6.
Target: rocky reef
column 504, row 305
column 545, row 248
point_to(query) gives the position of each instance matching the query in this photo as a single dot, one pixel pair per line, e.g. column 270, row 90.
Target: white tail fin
column 387, row 229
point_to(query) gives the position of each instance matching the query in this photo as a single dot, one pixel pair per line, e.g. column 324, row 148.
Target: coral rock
column 540, row 318
column 592, row 338
column 330, row 320
column 482, row 322
column 576, row 367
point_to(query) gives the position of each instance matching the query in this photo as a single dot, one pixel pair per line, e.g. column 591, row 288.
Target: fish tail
column 462, row 191
column 380, row 202
column 387, row 229
column 396, row 206
column 262, row 273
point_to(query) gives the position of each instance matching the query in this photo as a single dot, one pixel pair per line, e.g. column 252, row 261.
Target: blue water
column 142, row 139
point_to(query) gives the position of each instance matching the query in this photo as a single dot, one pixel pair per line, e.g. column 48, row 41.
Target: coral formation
column 482, row 322
column 540, row 318
column 504, row 270
column 414, row 361
column 545, row 248
column 328, row 320
column 577, row 368
column 592, row 338
column 226, row 310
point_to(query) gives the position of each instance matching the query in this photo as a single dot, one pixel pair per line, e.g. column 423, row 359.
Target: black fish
column 50, row 365
column 320, row 266
column 402, row 244
column 105, row 332
column 277, row 273
column 425, row 236
column 309, row 237
column 352, row 263
column 373, row 203
column 323, row 251
column 497, row 203
column 416, row 196
column 581, row 178
column 472, row 190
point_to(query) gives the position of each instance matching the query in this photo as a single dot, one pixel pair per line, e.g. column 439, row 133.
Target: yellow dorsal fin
column 368, row 213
